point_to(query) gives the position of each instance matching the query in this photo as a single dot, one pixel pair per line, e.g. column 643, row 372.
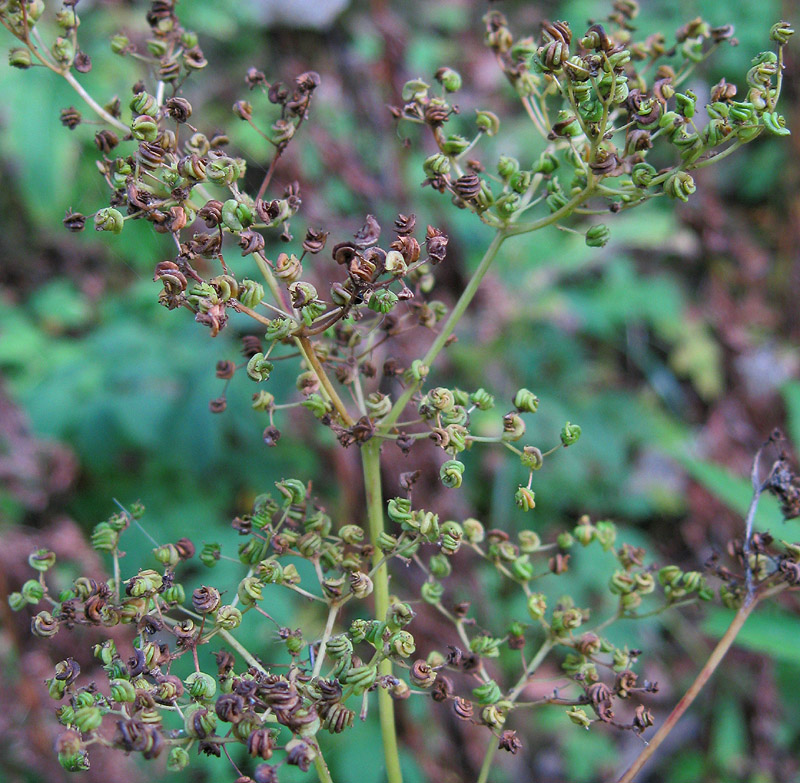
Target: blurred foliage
column 615, row 339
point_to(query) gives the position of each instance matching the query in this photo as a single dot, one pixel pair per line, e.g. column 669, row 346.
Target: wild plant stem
column 702, row 678
column 311, row 356
column 371, row 463
column 96, row 107
column 323, row 773
column 326, row 635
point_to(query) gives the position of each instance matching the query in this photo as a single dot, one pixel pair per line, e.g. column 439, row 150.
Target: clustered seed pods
column 596, row 118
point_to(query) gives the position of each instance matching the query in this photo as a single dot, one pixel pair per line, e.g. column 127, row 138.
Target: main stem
column 371, row 462
column 702, row 678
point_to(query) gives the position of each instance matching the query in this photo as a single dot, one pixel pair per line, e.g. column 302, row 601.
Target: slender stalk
column 319, row 371
column 241, row 649
column 323, row 773
column 487, row 759
column 371, row 463
column 326, row 635
column 702, row 678
column 452, row 321
column 513, row 695
column 96, row 107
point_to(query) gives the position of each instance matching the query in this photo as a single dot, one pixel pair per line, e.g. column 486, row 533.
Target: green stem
column 371, row 462
column 487, row 760
column 96, row 107
column 243, row 651
column 323, row 773
column 452, row 321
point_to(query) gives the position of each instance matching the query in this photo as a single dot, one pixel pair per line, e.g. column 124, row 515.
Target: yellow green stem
column 371, row 463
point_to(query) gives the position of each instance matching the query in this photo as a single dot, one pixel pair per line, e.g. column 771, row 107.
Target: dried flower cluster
column 602, row 107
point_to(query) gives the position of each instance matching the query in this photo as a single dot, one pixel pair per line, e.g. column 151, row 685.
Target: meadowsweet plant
column 612, row 125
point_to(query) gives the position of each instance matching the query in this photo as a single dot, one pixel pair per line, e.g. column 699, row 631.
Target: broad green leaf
column 770, row 631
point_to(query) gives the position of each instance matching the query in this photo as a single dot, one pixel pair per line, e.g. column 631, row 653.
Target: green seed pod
column 522, row 568
column 199, row 722
column 174, row 594
column 570, row 434
column 235, row 215
column 249, row 590
column 537, row 605
column 436, row 165
column 401, row 643
column 606, row 534
column 781, row 33
column 585, row 531
column 449, row 79
column 32, row 591
column 485, row 646
column 382, row 301
column 74, row 762
column 167, row 555
column 417, row 372
column 177, row 759
column 144, row 128
column 565, row 540
column 20, row 57
column 531, row 458
column 109, row 219
column 358, row 631
column 105, row 651
column 440, row 566
column 145, row 583
column 598, row 235
column 487, row 122
column 399, row 510
column 122, row 691
column 526, row 401
column 451, row 473
column 579, row 717
column 507, row 166
column 680, row 186
column 432, row 592
column 17, row 601
column 529, row 541
column 513, row 427
column 119, row 44
column 775, row 123
column 228, row 617
column 88, row 719
column 250, row 293
column 42, row 560
column 144, row 103
column 525, row 498
column 645, row 583
column 474, row 531
column 642, row 175
column 415, row 90
column 259, row 367
column 454, row 145
column 361, row 678
column 210, row 555
column 201, row 686
column 487, row 693
column 56, row 688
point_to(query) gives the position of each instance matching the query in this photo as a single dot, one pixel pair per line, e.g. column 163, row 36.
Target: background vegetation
column 673, row 347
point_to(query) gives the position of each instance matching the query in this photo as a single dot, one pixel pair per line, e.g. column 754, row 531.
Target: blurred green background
column 673, row 347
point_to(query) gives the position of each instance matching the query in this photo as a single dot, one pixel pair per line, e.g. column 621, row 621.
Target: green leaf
column 770, row 631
